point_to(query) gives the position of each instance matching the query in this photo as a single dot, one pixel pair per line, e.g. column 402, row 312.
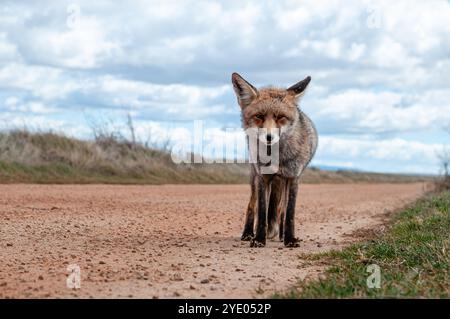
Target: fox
column 275, row 114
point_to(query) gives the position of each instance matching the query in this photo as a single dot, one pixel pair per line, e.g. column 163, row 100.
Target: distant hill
column 330, row 168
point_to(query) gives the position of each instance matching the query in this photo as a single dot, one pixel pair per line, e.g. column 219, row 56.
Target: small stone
column 204, row 281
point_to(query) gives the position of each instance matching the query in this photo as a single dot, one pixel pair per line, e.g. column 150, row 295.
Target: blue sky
column 381, row 70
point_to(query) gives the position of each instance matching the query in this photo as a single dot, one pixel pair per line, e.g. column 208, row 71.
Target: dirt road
column 170, row 241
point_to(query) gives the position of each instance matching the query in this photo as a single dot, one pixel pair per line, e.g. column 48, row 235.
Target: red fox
column 275, row 114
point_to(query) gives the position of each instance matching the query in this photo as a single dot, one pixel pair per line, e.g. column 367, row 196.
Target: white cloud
column 14, row 104
column 10, row 120
column 8, row 50
column 392, row 54
column 357, row 50
column 83, row 46
column 381, row 155
column 171, row 60
column 49, row 84
column 378, row 112
column 41, row 81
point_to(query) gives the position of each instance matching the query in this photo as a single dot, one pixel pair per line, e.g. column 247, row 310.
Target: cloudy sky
column 380, row 93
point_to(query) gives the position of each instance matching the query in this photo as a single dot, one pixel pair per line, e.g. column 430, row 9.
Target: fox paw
column 294, row 242
column 247, row 237
column 256, row 243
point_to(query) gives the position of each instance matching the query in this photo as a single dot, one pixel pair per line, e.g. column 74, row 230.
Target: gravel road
column 172, row 240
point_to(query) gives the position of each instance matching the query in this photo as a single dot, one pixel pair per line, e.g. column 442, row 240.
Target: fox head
column 272, row 111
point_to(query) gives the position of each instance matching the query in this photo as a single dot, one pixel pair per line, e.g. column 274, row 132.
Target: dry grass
column 53, row 158
column 443, row 183
column 45, row 157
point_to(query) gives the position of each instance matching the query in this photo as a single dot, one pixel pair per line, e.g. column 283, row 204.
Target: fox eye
column 281, row 117
column 259, row 117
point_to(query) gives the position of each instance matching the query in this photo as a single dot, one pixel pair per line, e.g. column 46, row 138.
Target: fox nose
column 269, row 137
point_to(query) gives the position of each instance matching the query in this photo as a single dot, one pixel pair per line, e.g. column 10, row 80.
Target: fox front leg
column 264, row 184
column 248, row 233
column 281, row 228
column 289, row 220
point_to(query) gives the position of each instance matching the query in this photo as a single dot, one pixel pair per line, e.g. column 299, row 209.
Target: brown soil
column 171, row 241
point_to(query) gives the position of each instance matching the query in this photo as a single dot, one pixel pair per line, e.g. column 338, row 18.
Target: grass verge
column 46, row 157
column 412, row 254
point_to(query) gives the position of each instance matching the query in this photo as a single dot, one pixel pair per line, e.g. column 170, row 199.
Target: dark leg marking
column 273, row 210
column 261, row 225
column 281, row 230
column 289, row 226
column 248, row 233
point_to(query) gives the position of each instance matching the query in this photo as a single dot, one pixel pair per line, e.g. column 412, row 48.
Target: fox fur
column 275, row 112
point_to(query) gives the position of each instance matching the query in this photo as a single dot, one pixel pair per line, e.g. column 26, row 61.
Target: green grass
column 412, row 255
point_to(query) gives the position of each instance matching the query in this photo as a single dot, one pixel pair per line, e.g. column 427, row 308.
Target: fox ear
column 245, row 92
column 299, row 88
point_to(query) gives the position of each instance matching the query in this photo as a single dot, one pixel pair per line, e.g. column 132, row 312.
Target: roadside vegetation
column 55, row 158
column 443, row 183
column 110, row 157
column 412, row 254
